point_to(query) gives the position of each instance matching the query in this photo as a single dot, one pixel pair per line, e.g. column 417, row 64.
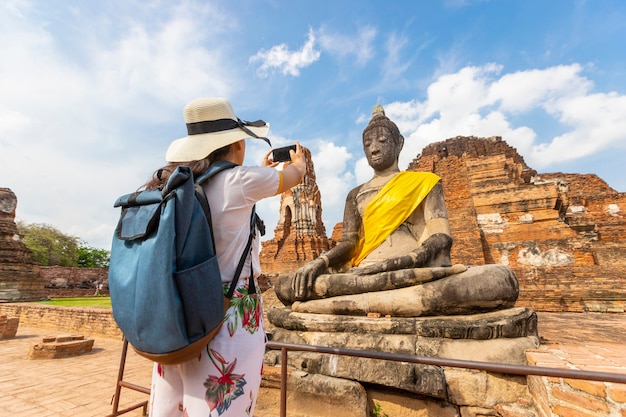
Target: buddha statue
column 394, row 253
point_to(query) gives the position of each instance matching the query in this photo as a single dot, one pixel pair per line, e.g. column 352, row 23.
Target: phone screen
column 282, row 154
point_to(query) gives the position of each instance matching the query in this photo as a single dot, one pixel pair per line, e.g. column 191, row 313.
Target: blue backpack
column 165, row 284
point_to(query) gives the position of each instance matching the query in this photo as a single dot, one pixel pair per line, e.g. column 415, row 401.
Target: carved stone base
column 508, row 323
column 501, row 336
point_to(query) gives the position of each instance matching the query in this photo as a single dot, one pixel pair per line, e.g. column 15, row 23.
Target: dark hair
column 160, row 176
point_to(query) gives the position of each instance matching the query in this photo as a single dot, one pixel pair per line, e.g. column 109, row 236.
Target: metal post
column 283, row 382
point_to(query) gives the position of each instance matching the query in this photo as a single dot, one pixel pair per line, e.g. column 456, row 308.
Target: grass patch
column 93, row 302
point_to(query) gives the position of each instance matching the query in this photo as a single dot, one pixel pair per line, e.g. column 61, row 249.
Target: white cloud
column 360, row 46
column 598, row 122
column 288, row 63
column 525, row 90
column 77, row 133
column 395, row 63
column 334, row 180
column 475, row 102
column 12, row 121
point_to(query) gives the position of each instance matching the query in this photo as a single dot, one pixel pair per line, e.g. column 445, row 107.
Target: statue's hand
column 414, row 260
column 304, row 278
column 369, row 269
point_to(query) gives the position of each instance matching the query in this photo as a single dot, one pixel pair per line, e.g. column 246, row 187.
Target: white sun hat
column 212, row 124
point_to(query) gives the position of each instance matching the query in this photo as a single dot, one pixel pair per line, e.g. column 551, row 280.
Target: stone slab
column 503, row 350
column 507, row 323
column 320, row 395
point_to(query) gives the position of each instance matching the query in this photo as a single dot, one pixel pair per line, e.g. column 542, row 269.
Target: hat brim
column 196, row 147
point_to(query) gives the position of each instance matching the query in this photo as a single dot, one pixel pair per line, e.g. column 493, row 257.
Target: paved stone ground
column 83, row 386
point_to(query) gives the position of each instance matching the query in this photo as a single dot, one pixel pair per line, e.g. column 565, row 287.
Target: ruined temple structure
column 564, row 235
column 300, row 235
column 19, row 276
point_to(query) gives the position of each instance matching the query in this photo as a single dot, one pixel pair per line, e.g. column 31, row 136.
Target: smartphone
column 282, row 154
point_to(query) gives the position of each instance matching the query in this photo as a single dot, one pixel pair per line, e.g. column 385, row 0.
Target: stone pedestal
column 499, row 336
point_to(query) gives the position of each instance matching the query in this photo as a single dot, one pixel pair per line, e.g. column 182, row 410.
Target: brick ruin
column 19, row 275
column 300, row 235
column 64, row 346
column 564, row 235
column 73, row 281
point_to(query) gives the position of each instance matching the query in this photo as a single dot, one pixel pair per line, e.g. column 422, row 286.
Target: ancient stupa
column 564, row 235
column 300, row 235
column 19, row 275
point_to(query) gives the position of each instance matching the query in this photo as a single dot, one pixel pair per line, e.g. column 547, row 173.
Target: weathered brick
column 64, row 319
column 579, row 400
column 541, row 358
column 617, row 392
column 597, row 389
column 8, row 326
column 564, row 411
column 539, row 392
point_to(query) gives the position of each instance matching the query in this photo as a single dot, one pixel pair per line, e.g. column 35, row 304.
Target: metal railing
column 426, row 360
column 397, row 357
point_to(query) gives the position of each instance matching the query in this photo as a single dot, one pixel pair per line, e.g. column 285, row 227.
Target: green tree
column 89, row 257
column 49, row 246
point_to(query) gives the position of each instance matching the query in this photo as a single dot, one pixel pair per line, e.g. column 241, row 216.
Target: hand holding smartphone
column 282, row 154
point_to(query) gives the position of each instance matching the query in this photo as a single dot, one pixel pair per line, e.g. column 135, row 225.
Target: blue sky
column 91, row 92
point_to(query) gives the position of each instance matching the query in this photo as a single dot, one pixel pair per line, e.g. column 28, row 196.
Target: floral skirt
column 225, row 379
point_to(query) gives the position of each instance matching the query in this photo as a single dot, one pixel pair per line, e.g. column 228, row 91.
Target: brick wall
column 75, row 320
column 62, row 277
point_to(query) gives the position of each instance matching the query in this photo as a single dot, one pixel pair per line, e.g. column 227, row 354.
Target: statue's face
column 380, row 149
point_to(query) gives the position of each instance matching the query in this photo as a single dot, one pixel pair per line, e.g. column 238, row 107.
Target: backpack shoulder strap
column 242, row 260
column 213, row 169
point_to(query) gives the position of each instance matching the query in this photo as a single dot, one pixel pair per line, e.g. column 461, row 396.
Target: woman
column 225, row 379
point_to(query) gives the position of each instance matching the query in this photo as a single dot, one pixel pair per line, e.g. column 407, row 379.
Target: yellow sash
column 393, row 204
